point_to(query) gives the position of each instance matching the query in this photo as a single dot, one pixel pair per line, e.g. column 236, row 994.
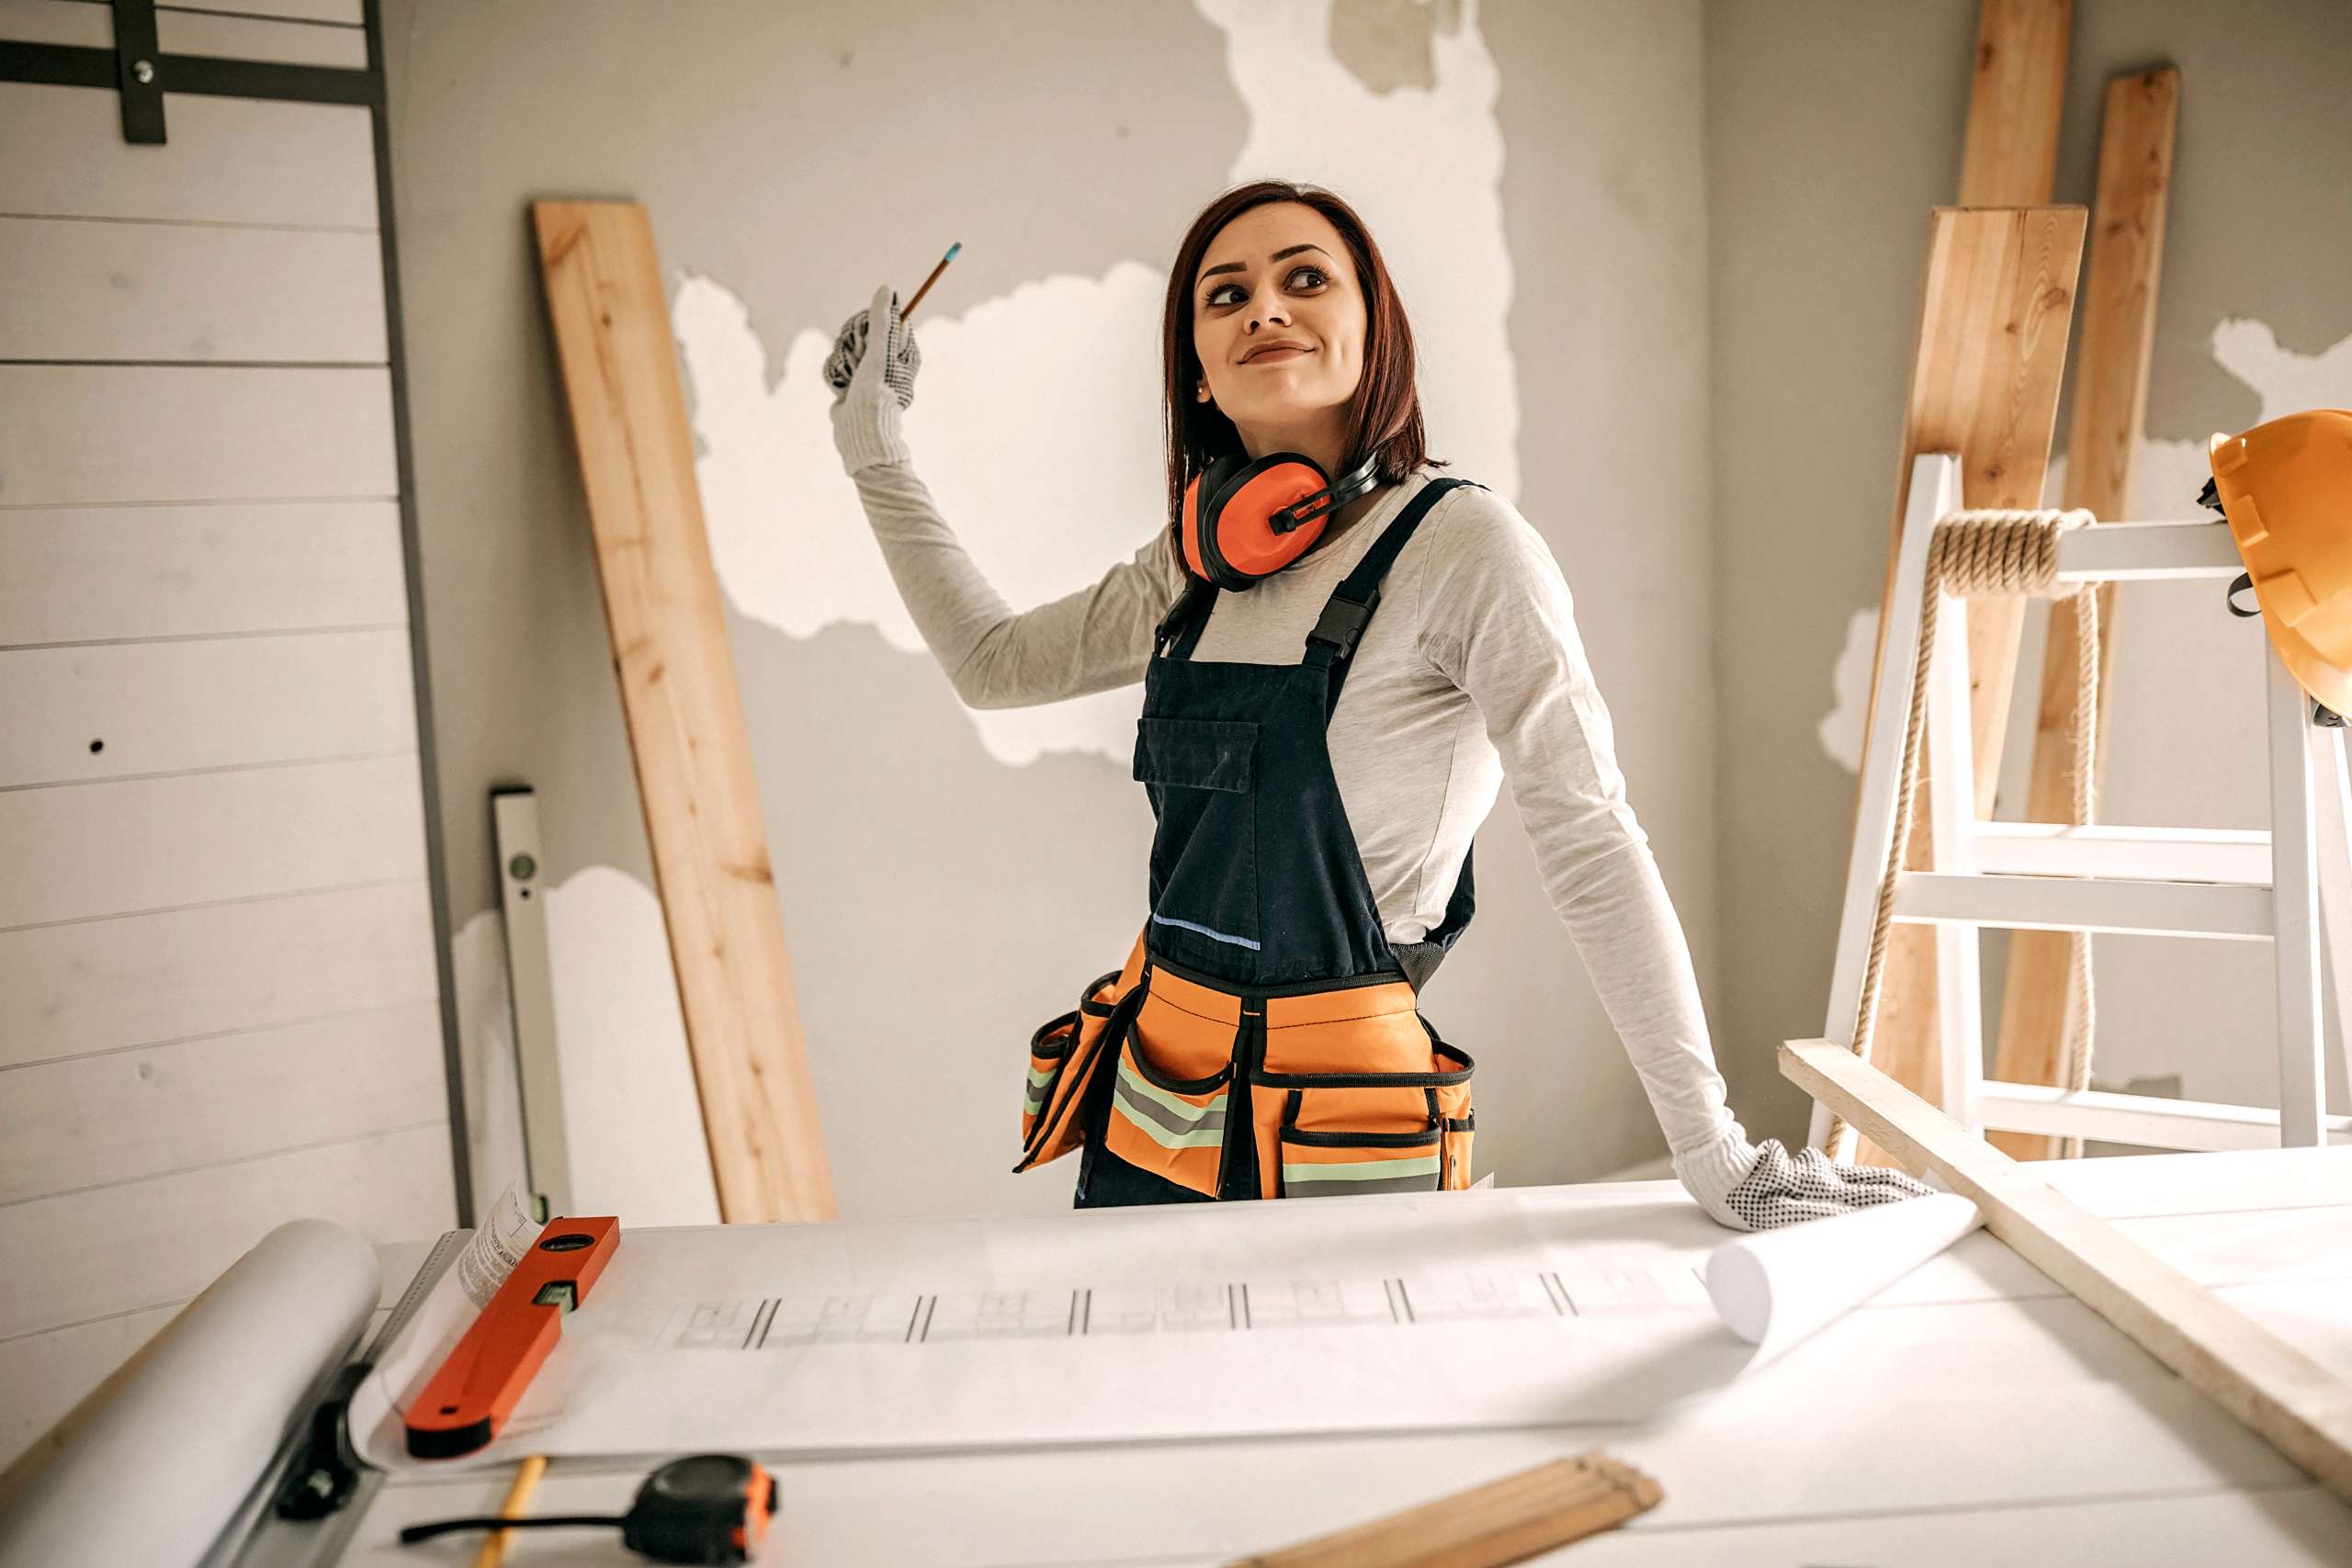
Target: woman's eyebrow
column 1243, row 266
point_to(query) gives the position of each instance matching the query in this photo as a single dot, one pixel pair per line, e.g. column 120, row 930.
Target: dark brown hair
column 1388, row 404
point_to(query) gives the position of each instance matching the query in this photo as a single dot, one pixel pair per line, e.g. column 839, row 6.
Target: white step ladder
column 2225, row 884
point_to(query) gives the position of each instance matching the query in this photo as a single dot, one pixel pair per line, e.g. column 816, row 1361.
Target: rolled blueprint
column 169, row 1459
column 1776, row 1287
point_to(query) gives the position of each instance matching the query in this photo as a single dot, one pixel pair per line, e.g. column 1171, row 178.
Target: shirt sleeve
column 1093, row 640
column 1497, row 621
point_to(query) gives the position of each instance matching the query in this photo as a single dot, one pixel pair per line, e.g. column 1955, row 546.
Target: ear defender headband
column 1247, row 519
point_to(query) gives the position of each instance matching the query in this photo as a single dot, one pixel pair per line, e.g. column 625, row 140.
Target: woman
column 1330, row 706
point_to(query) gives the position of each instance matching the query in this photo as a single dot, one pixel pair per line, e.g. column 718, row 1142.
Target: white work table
column 1972, row 1412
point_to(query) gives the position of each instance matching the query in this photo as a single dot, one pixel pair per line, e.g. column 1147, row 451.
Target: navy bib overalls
column 1263, row 1039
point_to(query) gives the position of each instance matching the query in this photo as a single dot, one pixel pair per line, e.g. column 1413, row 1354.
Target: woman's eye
column 1315, row 272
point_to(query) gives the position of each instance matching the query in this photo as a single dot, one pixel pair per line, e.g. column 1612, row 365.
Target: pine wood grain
column 686, row 718
column 2102, row 440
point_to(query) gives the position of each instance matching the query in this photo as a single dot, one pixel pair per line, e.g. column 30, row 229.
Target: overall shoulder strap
column 1179, row 630
column 1332, row 644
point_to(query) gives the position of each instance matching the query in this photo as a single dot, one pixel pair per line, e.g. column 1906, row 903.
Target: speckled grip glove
column 870, row 389
column 1755, row 1189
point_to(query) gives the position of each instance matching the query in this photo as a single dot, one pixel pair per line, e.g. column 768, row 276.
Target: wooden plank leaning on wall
column 686, row 718
column 2302, row 1408
column 1993, row 323
column 2008, row 158
column 2102, row 442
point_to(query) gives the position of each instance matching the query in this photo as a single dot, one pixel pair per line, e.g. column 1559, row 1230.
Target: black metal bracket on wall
column 136, row 74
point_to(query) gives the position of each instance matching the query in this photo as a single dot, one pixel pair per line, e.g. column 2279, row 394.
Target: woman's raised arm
column 1091, row 640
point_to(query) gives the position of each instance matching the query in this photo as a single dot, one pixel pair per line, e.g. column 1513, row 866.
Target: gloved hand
column 870, row 389
column 1752, row 1189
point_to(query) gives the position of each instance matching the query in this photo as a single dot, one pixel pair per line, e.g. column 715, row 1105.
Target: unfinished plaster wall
column 1833, row 126
column 948, row 879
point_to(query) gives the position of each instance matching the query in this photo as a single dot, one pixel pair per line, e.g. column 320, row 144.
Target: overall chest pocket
column 1201, row 774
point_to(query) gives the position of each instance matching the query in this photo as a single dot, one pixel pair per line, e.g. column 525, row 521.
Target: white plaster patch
column 1841, row 728
column 1037, row 418
column 630, row 1115
column 2165, row 479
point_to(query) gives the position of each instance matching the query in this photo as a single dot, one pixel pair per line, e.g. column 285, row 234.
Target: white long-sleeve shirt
column 1470, row 668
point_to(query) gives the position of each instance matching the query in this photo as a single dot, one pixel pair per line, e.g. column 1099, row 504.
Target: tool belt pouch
column 1064, row 1054
column 1356, row 1094
column 1174, row 1080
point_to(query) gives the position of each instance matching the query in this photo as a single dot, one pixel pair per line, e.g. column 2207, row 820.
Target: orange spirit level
column 466, row 1402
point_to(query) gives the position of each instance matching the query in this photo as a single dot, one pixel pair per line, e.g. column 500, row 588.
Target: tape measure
column 703, row 1509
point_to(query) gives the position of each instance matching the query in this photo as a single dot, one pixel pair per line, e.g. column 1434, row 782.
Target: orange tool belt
column 1344, row 1085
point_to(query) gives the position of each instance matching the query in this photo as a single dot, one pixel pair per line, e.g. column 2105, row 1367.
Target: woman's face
column 1279, row 272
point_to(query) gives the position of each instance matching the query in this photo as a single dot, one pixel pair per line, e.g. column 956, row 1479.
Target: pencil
column 931, row 279
column 493, row 1545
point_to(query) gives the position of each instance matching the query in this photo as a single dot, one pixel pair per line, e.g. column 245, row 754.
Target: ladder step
column 2144, row 552
column 2149, row 854
column 2063, row 903
column 2142, row 1119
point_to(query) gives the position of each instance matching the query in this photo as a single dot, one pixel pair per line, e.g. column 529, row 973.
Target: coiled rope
column 1985, row 555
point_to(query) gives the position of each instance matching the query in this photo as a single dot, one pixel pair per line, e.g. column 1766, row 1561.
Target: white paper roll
column 164, row 1464
column 1774, row 1288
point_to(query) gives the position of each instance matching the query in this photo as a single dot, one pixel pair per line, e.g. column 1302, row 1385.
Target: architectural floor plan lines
column 920, row 1318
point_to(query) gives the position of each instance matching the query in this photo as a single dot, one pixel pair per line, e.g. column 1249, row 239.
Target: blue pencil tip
column 953, row 249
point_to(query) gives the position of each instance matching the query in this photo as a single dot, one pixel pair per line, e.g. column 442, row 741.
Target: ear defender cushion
column 1229, row 538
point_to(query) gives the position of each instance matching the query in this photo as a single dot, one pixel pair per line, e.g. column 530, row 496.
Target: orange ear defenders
column 1246, row 518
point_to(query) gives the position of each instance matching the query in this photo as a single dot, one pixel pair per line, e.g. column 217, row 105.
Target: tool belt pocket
column 1163, row 1118
column 1359, row 1094
column 1063, row 1055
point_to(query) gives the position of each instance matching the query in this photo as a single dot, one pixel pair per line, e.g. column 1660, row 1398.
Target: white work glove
column 870, row 389
column 1752, row 1189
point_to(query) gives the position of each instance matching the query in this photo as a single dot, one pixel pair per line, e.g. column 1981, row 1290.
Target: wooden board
column 2016, row 89
column 229, row 160
column 2103, row 440
column 1998, row 300
column 127, row 1115
column 2298, row 1406
column 686, row 718
column 101, row 574
column 91, row 986
column 82, row 289
column 82, row 851
column 128, row 434
column 118, row 710
column 138, row 1245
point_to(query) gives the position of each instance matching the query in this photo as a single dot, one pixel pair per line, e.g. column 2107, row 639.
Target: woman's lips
column 1273, row 354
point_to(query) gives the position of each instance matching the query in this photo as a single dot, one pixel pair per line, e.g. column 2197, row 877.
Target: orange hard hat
column 2286, row 488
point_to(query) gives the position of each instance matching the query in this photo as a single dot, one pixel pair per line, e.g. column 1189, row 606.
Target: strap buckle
column 1342, row 622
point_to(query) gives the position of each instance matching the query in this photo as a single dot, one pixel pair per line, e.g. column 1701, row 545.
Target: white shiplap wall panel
column 93, row 986
column 219, row 981
column 77, row 22
column 348, row 12
column 228, row 161
column 73, row 434
column 90, row 25
column 93, row 574
column 80, row 852
column 130, row 1114
column 141, row 1244
column 85, row 288
column 114, row 710
column 249, row 38
column 44, row 1376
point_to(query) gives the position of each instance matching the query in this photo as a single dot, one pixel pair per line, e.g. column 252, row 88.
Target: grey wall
column 1832, row 127
column 938, row 900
